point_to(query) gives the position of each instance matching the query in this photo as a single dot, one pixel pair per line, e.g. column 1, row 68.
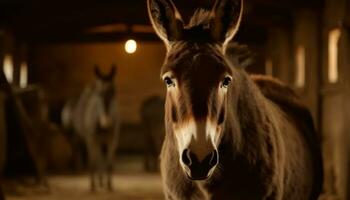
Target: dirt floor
column 135, row 186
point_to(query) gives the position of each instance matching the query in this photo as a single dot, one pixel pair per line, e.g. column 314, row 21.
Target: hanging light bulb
column 130, row 46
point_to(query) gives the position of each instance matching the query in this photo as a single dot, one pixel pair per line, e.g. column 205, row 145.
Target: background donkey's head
column 104, row 87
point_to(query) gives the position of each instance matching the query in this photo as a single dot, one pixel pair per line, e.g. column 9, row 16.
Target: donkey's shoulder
column 290, row 103
column 287, row 100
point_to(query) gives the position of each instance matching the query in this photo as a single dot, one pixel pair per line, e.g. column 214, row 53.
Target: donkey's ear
column 165, row 19
column 97, row 71
column 226, row 19
column 113, row 71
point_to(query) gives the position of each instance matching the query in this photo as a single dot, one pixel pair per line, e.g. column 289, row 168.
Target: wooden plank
column 88, row 38
column 2, row 132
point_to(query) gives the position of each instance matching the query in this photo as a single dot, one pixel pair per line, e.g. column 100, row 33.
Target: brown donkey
column 228, row 135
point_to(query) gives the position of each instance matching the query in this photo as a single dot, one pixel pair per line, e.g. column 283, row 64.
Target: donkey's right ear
column 227, row 16
column 165, row 19
column 97, row 71
column 113, row 71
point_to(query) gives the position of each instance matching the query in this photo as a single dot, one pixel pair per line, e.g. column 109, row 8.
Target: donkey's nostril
column 186, row 157
column 199, row 169
column 191, row 160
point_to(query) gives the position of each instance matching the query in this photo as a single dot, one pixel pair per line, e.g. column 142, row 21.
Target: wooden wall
column 335, row 101
column 63, row 70
column 2, row 133
column 306, row 34
column 279, row 50
column 6, row 44
column 329, row 102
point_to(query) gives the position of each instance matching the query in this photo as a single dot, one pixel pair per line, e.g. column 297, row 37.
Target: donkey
column 228, row 135
column 94, row 117
column 152, row 114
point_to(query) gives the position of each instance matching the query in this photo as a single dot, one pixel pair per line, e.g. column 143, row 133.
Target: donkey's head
column 104, row 83
column 105, row 89
column 198, row 79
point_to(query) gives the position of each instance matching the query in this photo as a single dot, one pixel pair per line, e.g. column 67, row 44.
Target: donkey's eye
column 169, row 82
column 226, row 82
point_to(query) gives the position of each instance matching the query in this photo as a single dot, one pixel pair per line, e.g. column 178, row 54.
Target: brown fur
column 254, row 171
column 289, row 102
column 268, row 147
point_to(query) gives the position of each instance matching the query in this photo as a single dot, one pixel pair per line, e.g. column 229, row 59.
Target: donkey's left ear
column 97, row 71
column 226, row 18
column 165, row 19
column 113, row 71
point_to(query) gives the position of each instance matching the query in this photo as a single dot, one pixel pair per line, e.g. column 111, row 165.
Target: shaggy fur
column 268, row 149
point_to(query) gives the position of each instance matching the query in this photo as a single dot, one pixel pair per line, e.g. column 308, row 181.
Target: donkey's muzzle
column 199, row 170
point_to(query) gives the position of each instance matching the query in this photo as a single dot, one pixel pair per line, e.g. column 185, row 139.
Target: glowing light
column 130, row 46
column 300, row 67
column 333, row 40
column 23, row 76
column 8, row 68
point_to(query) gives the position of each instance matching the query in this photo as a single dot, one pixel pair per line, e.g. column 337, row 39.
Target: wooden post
column 3, row 137
column 2, row 197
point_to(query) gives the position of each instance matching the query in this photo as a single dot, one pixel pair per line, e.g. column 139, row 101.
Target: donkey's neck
column 255, row 114
column 253, row 140
column 245, row 152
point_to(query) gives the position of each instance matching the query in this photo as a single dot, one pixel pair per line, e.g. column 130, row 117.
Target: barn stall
column 48, row 54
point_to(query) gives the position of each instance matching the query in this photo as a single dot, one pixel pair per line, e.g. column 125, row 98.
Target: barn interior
column 48, row 53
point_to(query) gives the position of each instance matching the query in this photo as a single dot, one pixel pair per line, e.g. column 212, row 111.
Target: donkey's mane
column 200, row 18
column 198, row 27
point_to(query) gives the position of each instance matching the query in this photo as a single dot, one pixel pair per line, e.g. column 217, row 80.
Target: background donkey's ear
column 97, row 71
column 166, row 20
column 113, row 71
column 226, row 19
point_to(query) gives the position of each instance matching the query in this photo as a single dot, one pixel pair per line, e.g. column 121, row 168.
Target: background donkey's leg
column 92, row 149
column 101, row 164
column 112, row 146
column 100, row 174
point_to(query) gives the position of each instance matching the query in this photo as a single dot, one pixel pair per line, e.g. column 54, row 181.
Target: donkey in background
column 95, row 118
column 228, row 135
column 152, row 115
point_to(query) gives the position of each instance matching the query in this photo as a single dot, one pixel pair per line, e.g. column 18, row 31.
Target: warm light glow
column 8, row 68
column 268, row 67
column 130, row 46
column 300, row 67
column 23, row 76
column 333, row 40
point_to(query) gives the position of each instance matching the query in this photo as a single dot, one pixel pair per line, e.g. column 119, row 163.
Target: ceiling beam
column 90, row 38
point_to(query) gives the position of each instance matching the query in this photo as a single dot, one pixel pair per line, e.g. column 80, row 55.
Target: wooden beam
column 86, row 38
column 67, row 21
